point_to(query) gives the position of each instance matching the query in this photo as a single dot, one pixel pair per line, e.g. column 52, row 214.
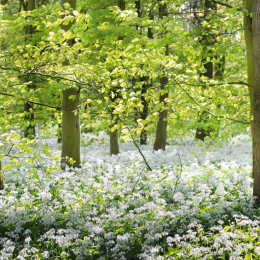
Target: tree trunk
column 28, row 108
column 121, row 4
column 256, row 139
column 248, row 5
column 144, row 113
column 161, row 131
column 71, row 129
column 4, row 2
column 71, row 147
column 29, row 117
column 114, row 146
column 208, row 41
column 1, row 177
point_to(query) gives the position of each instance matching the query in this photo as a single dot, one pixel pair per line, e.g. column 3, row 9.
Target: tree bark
column 161, row 130
column 29, row 117
column 256, row 139
column 114, row 146
column 71, row 147
column 1, row 177
column 4, row 2
column 144, row 113
column 71, row 129
column 208, row 41
column 248, row 5
column 28, row 108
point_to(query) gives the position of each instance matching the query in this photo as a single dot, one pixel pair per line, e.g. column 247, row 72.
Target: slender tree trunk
column 71, row 147
column 114, row 146
column 1, row 177
column 248, row 5
column 161, row 131
column 256, row 139
column 29, row 118
column 28, row 108
column 207, row 41
column 220, row 68
column 144, row 113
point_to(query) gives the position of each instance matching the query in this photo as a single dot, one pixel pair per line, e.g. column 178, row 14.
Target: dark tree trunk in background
column 114, row 145
column 161, row 131
column 208, row 42
column 28, row 108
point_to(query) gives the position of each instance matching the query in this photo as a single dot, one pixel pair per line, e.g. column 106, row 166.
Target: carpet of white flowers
column 196, row 203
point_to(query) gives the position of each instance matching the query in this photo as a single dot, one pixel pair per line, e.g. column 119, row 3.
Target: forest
column 129, row 129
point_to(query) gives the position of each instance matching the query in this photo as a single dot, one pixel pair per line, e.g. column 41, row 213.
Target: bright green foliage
column 109, row 55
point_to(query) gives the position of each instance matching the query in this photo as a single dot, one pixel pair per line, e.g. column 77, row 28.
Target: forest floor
column 196, row 203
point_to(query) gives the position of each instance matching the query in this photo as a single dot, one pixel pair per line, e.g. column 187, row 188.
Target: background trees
column 134, row 64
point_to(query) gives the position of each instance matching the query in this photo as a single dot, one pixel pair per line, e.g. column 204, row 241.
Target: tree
column 114, row 95
column 70, row 117
column 256, row 99
column 247, row 6
column 28, row 107
column 161, row 131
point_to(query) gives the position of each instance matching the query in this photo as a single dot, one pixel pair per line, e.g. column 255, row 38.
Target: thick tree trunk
column 28, row 108
column 1, row 177
column 256, row 139
column 248, row 5
column 71, row 147
column 161, row 131
column 71, row 129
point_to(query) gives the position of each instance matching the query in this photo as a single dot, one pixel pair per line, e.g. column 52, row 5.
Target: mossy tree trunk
column 161, row 130
column 248, row 5
column 71, row 128
column 256, row 99
column 71, row 147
